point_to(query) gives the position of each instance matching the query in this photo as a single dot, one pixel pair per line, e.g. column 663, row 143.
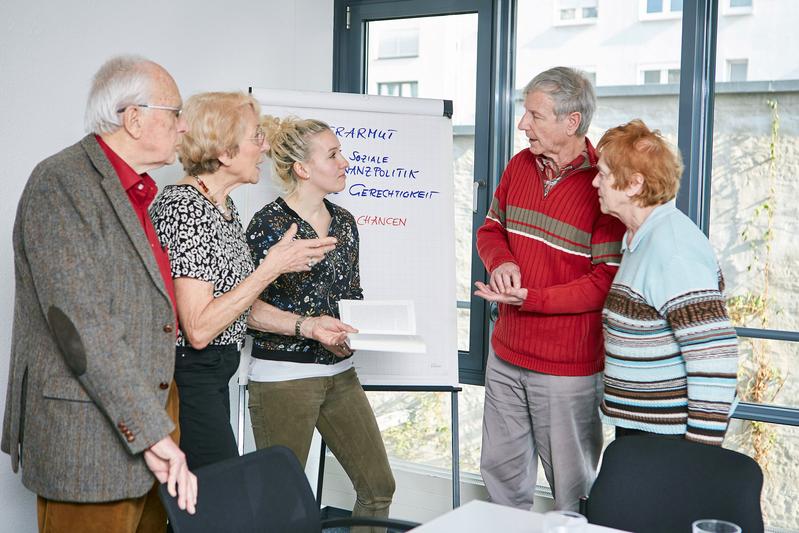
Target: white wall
column 48, row 53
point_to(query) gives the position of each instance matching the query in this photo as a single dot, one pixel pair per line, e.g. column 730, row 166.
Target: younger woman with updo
column 301, row 375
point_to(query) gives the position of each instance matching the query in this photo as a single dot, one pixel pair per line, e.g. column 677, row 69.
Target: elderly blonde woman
column 302, row 374
column 671, row 352
column 214, row 279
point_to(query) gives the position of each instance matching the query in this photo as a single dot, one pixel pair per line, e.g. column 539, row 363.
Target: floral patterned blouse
column 203, row 245
column 312, row 293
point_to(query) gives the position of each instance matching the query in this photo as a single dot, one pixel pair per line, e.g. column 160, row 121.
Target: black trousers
column 202, row 377
column 626, row 432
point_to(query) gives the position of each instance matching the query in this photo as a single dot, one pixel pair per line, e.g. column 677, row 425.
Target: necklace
column 223, row 209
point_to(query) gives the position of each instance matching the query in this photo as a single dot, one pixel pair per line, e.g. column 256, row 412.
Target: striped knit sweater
column 671, row 351
column 567, row 251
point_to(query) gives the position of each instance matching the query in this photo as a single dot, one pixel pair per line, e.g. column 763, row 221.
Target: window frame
column 694, row 135
column 491, row 145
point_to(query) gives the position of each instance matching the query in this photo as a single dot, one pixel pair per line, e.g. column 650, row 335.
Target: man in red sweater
column 551, row 255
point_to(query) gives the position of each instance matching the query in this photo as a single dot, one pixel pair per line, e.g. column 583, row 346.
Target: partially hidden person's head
column 637, row 167
column 559, row 104
column 306, row 155
column 224, row 133
column 137, row 103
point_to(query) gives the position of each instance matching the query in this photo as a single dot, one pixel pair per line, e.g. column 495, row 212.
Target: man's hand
column 506, row 278
column 511, row 296
column 168, row 463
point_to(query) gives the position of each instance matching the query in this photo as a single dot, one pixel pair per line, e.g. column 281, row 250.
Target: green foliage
column 760, row 380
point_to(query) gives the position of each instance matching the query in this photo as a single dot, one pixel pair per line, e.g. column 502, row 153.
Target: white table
column 479, row 516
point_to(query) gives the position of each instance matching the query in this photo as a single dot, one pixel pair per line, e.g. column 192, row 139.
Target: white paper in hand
column 383, row 325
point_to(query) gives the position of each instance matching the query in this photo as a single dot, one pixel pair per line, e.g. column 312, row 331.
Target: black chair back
column 653, row 484
column 265, row 491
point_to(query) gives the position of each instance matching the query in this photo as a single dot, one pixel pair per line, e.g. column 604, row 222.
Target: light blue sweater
column 671, row 354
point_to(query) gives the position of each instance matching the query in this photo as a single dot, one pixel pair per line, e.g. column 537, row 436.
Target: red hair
column 635, row 149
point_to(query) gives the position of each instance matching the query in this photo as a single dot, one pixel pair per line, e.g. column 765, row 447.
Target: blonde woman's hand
column 296, row 255
column 326, row 329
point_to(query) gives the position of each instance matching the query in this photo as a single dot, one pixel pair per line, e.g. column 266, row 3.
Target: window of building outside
column 398, row 43
column 398, row 88
column 576, row 12
column 660, row 75
column 736, row 7
column 753, row 216
column 659, row 9
column 737, row 69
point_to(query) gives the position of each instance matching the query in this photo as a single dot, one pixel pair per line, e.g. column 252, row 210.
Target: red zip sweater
column 568, row 253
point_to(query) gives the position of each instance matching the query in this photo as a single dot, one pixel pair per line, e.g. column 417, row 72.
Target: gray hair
column 122, row 81
column 571, row 92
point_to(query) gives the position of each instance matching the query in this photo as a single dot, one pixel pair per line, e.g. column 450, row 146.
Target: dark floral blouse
column 312, row 293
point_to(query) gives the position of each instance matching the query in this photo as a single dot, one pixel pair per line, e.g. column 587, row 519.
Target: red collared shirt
column 141, row 190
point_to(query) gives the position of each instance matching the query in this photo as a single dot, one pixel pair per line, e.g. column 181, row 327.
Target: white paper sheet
column 383, row 325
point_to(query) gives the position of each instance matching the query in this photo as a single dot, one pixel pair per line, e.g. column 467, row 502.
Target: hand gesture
column 510, row 297
column 330, row 332
column 168, row 463
column 296, row 255
column 505, row 278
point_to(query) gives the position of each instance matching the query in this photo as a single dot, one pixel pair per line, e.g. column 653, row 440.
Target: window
column 751, row 221
column 398, row 88
column 652, row 76
column 623, row 66
column 660, row 9
column 737, row 7
column 736, row 69
column 416, row 425
column 660, row 75
column 571, row 12
column 398, row 43
column 748, row 194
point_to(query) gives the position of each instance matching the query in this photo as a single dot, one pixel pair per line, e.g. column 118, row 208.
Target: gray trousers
column 529, row 415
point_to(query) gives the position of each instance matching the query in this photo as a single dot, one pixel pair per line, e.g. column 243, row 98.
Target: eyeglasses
column 175, row 110
column 260, row 136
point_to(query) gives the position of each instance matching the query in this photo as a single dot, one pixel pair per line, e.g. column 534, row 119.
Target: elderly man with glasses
column 91, row 405
column 551, row 255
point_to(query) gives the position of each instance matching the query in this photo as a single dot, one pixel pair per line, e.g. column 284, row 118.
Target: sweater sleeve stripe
column 495, row 212
column 606, row 252
column 709, row 346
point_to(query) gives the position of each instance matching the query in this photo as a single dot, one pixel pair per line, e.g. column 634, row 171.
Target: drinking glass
column 707, row 525
column 563, row 522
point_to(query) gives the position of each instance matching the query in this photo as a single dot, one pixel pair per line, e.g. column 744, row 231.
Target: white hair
column 122, row 81
column 570, row 90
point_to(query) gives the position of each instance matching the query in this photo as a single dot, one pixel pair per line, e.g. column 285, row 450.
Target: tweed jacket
column 92, row 349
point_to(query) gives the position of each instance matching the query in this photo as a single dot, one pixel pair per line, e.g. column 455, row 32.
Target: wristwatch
column 298, row 325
